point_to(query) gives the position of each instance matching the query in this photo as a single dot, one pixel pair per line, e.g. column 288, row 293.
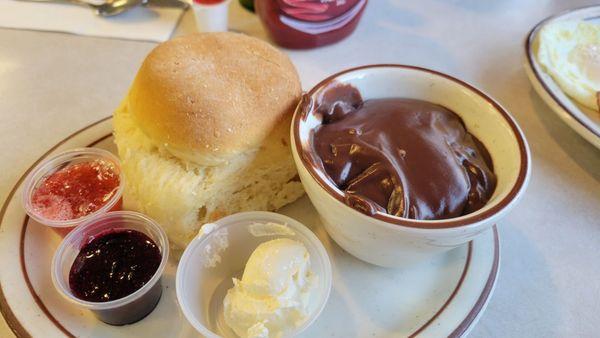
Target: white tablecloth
column 549, row 285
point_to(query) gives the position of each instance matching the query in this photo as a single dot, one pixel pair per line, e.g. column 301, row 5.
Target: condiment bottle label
column 318, row 16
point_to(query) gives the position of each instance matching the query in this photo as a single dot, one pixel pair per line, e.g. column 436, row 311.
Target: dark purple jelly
column 114, row 265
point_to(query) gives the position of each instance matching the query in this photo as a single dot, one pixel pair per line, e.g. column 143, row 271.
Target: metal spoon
column 109, row 8
column 115, row 7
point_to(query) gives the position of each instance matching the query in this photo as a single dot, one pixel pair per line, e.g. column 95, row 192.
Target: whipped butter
column 271, row 299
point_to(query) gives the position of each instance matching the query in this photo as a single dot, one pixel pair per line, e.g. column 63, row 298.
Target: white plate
column 442, row 297
column 585, row 121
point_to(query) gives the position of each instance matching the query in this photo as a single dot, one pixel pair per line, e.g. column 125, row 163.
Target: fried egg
column 569, row 51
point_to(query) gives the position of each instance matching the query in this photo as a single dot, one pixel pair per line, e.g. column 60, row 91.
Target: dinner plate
column 585, row 121
column 441, row 297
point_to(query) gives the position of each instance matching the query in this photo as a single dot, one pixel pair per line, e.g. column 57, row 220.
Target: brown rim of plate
column 19, row 330
column 482, row 300
column 11, row 319
column 484, row 297
column 332, row 190
column 535, row 71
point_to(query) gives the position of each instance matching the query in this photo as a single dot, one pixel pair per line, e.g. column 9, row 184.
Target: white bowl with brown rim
column 392, row 241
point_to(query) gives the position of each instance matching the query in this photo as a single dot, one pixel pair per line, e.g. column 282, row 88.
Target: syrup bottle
column 303, row 24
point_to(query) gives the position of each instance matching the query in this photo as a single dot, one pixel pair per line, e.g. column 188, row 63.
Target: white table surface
column 52, row 84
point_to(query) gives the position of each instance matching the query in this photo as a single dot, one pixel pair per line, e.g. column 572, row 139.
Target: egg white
column 569, row 51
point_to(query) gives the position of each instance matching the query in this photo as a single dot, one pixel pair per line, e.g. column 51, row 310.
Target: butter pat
column 272, row 297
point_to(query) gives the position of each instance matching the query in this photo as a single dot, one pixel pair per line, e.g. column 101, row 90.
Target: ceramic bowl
column 392, row 241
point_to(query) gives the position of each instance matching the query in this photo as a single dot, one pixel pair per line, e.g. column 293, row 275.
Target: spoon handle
column 104, row 9
column 77, row 2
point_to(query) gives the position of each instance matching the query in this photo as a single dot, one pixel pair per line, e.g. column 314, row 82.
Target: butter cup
column 220, row 252
column 211, row 17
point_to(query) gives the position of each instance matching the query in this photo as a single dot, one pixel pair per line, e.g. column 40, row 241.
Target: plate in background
column 585, row 121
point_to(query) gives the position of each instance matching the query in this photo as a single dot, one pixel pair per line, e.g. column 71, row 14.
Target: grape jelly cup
column 128, row 309
column 45, row 169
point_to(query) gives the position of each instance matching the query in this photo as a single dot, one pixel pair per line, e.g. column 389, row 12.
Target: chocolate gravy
column 405, row 157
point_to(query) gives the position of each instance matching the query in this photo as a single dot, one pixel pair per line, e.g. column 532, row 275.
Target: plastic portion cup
column 211, row 16
column 128, row 309
column 55, row 163
column 211, row 260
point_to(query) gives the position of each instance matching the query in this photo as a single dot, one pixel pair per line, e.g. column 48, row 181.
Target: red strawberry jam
column 76, row 190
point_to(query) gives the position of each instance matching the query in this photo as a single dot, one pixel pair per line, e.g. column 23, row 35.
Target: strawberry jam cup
column 72, row 187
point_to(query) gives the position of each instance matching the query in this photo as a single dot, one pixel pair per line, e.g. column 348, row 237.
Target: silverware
column 115, row 7
column 165, row 3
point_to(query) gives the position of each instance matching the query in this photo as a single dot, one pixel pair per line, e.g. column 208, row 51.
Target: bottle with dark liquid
column 303, row 24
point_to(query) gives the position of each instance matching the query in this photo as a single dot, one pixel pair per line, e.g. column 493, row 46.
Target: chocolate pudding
column 404, row 157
